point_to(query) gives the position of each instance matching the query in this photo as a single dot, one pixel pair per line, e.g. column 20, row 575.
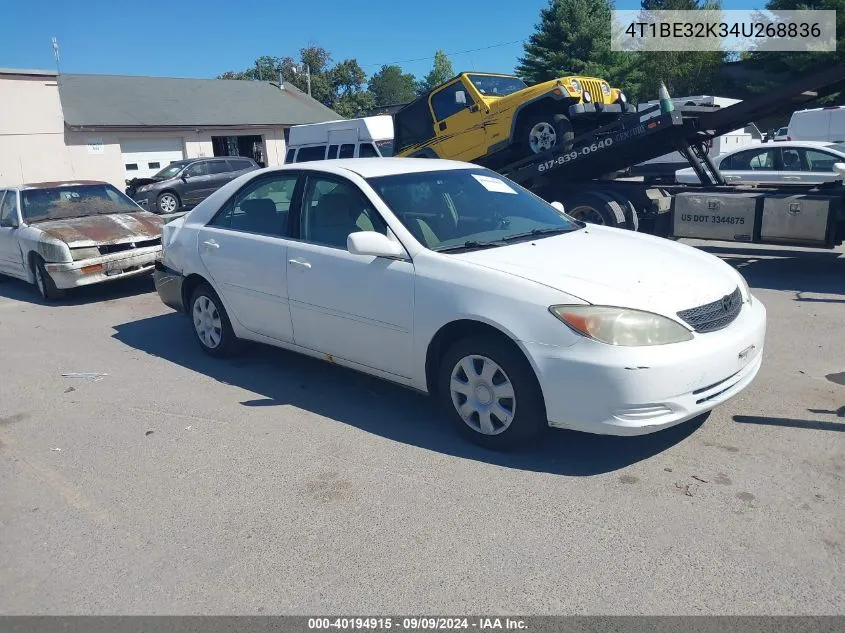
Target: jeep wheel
column 543, row 133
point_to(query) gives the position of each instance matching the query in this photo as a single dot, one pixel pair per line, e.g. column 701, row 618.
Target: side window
column 218, row 167
column 817, row 161
column 197, row 169
column 289, row 156
column 347, row 150
column 727, row 163
column 332, row 152
column 366, row 150
column 239, row 165
column 262, row 207
column 306, row 154
column 754, row 160
column 8, row 207
column 450, row 100
column 332, row 209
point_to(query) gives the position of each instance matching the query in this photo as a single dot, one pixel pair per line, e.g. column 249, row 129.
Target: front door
column 11, row 259
column 354, row 307
column 244, row 248
column 458, row 123
column 753, row 165
column 197, row 182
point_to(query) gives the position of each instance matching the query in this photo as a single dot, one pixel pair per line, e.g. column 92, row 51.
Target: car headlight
column 54, row 252
column 621, row 326
column 575, row 84
column 605, row 88
column 587, row 96
column 744, row 289
column 84, row 253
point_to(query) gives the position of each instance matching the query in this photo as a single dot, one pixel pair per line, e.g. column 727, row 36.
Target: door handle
column 299, row 262
column 209, row 244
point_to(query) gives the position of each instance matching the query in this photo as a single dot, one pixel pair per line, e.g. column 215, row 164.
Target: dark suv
column 185, row 183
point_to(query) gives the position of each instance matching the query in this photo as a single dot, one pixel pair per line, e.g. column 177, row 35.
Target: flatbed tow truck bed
column 585, row 177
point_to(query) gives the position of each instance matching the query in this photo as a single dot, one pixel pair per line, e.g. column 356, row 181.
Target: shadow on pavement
column 381, row 408
column 814, row 425
column 108, row 291
column 821, row 272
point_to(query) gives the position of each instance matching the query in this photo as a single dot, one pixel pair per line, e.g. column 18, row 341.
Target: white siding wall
column 35, row 146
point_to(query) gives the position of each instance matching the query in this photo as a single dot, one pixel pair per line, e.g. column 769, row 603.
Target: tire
column 44, row 283
column 211, row 324
column 596, row 207
column 632, row 220
column 168, row 202
column 523, row 414
column 541, row 133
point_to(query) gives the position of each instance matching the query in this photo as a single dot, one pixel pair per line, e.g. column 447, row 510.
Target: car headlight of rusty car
column 84, row 253
column 621, row 326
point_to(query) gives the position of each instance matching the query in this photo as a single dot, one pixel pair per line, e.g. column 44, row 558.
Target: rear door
column 11, row 260
column 244, row 248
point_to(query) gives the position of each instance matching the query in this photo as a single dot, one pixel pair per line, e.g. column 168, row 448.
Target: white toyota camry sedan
column 451, row 280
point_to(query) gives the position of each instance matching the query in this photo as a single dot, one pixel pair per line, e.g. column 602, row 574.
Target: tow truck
column 588, row 178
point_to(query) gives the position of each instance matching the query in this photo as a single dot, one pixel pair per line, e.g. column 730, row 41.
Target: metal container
column 716, row 216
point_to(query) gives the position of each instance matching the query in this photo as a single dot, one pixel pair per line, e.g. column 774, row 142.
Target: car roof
column 781, row 144
column 58, row 183
column 375, row 167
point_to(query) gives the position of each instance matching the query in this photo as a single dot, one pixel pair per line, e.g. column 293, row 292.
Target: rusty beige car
column 62, row 235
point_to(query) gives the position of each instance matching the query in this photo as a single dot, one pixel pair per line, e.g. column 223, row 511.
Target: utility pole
column 56, row 54
column 308, row 77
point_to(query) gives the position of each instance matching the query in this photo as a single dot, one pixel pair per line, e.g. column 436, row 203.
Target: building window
column 155, row 165
column 131, row 166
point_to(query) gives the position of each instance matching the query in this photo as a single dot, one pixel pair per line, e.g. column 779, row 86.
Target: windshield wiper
column 468, row 246
column 537, row 232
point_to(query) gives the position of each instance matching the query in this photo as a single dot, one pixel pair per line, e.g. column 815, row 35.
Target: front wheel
column 168, row 203
column 489, row 391
column 547, row 132
column 44, row 282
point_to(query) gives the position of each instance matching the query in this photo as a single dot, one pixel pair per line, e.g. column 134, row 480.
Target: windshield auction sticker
column 733, row 31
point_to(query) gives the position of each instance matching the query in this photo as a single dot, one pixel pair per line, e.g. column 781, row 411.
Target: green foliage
column 390, row 86
column 441, row 72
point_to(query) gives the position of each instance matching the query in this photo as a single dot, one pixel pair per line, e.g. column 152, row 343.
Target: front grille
column 714, row 316
column 108, row 249
column 594, row 87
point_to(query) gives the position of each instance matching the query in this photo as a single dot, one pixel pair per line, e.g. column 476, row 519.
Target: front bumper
column 169, row 286
column 611, row 390
column 598, row 109
column 104, row 268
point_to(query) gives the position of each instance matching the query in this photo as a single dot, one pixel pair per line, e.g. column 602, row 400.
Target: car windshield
column 385, row 148
column 169, row 172
column 466, row 209
column 497, row 85
column 73, row 201
column 837, row 147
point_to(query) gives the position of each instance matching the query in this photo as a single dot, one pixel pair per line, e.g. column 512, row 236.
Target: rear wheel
column 211, row 323
column 595, row 207
column 44, row 282
column 541, row 133
column 489, row 391
column 632, row 220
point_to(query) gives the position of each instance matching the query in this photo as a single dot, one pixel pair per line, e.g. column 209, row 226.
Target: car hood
column 113, row 228
column 605, row 266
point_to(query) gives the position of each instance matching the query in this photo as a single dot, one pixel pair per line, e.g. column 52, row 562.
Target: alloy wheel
column 167, row 203
column 542, row 137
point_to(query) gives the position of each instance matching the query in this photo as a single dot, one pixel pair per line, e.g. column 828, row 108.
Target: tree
column 391, row 86
column 354, row 104
column 683, row 72
column 441, row 72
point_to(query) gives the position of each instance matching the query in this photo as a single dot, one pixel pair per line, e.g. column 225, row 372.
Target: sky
column 192, row 38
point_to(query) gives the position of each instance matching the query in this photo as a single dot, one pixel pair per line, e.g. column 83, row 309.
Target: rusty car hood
column 112, row 228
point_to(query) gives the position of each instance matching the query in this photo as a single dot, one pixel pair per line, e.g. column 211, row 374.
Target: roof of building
column 27, row 71
column 127, row 101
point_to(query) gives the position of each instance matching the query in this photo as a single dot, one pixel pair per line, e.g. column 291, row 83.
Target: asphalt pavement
column 277, row 484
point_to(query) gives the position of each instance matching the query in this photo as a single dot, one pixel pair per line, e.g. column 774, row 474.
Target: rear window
column 239, row 165
column 332, row 152
column 306, row 154
column 385, row 148
column 347, row 150
column 218, row 167
column 366, row 150
column 290, row 155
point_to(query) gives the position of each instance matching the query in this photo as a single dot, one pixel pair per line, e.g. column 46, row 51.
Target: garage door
column 142, row 157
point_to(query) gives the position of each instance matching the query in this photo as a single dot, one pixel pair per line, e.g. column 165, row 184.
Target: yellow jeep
column 482, row 117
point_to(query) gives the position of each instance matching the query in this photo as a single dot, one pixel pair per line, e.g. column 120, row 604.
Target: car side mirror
column 839, row 170
column 184, row 177
column 373, row 244
column 460, row 98
column 12, row 223
column 559, row 206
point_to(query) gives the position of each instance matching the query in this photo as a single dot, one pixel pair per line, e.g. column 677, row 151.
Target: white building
column 112, row 128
